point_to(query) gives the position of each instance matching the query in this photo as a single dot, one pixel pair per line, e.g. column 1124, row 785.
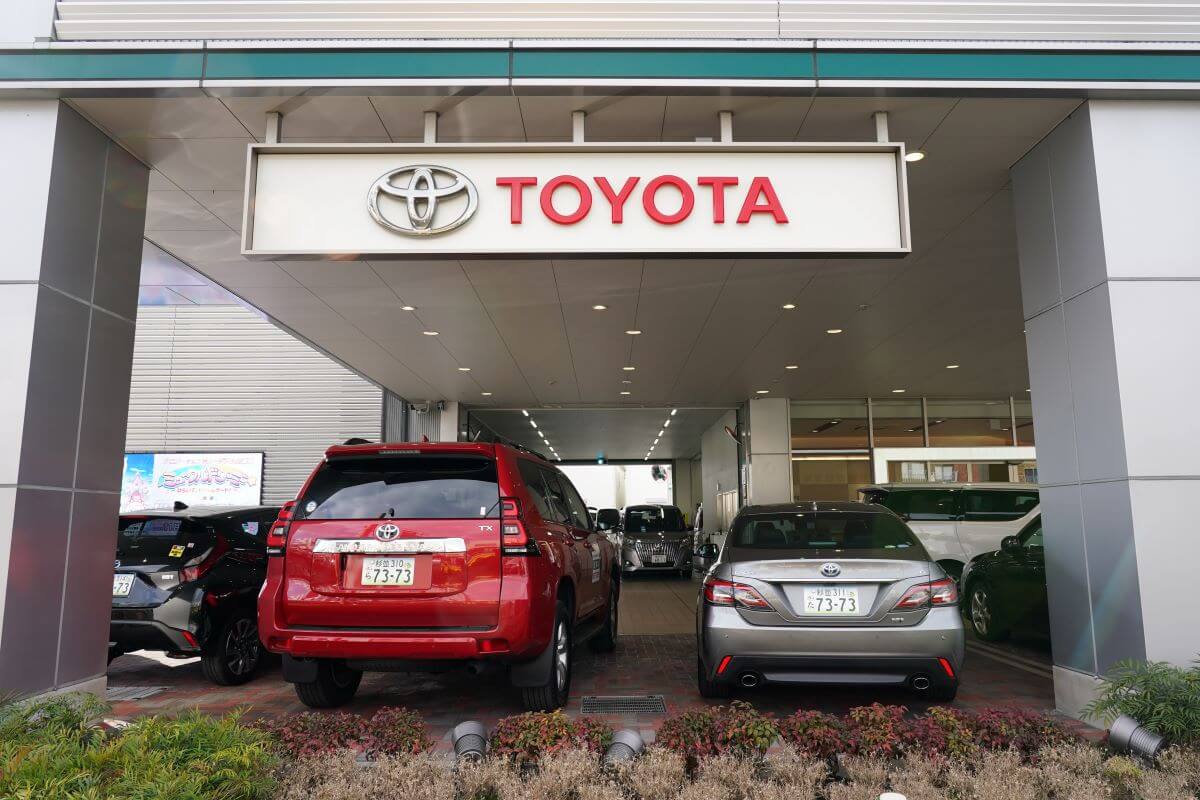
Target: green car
column 1005, row 590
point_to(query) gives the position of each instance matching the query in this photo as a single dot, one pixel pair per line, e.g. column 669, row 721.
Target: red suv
column 411, row 557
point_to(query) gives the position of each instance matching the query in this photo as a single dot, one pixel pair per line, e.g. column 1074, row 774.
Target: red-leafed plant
column 526, row 738
column 814, row 733
column 737, row 729
column 391, row 731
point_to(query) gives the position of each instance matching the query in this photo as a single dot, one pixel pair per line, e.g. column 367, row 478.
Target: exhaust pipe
column 749, row 680
column 920, row 683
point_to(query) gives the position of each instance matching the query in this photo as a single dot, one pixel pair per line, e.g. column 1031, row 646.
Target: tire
column 557, row 688
column 941, row 694
column 335, row 685
column 606, row 640
column 981, row 612
column 234, row 654
column 709, row 688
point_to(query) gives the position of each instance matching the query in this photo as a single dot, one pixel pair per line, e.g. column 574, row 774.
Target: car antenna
column 180, row 505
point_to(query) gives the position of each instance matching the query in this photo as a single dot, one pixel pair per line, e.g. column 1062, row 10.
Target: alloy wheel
column 981, row 613
column 562, row 656
column 242, row 647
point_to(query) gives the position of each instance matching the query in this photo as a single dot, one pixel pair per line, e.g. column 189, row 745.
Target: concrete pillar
column 718, row 468
column 1110, row 278
column 72, row 211
column 769, row 439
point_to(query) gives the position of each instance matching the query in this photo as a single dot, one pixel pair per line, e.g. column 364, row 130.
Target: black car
column 186, row 581
column 1006, row 589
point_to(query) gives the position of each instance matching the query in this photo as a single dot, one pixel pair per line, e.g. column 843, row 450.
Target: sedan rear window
column 403, row 487
column 820, row 533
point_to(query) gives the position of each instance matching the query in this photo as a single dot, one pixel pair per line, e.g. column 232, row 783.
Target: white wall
column 718, row 465
column 222, row 379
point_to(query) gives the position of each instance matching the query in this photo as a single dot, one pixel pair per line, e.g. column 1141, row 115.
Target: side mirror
column 708, row 550
column 1010, row 544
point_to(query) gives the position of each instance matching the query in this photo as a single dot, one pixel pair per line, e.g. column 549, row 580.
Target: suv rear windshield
column 161, row 540
column 819, row 534
column 403, row 487
column 653, row 519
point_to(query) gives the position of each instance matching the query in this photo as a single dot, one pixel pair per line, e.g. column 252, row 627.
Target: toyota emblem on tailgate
column 386, row 532
column 423, row 188
column 830, row 569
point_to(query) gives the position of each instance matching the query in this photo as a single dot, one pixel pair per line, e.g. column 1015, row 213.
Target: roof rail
column 357, row 440
column 521, row 447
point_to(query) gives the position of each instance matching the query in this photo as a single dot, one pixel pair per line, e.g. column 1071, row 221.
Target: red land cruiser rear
column 406, row 557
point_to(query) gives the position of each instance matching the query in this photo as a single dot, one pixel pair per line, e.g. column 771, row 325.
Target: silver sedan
column 826, row 593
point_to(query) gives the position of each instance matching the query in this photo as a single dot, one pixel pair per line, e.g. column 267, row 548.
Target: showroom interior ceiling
column 713, row 330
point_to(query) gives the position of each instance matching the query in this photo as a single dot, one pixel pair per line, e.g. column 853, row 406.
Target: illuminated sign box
column 421, row 201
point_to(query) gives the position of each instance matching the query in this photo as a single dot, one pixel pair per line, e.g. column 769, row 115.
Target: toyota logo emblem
column 386, row 532
column 424, row 189
column 830, row 570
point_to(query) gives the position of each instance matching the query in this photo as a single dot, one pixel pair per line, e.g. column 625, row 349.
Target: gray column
column 769, row 438
column 72, row 211
column 1106, row 215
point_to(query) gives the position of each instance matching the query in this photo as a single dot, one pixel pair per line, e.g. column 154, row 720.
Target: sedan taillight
column 720, row 592
column 924, row 595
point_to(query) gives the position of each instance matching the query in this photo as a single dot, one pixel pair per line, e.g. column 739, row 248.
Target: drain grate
column 624, row 704
column 116, row 693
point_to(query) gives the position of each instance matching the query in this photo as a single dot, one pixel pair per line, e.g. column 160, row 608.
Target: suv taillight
column 277, row 536
column 201, row 565
column 720, row 592
column 924, row 595
column 514, row 541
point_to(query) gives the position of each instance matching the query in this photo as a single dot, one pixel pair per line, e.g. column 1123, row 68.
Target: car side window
column 579, row 513
column 997, row 506
column 1032, row 535
column 922, row 504
column 559, row 507
column 531, row 474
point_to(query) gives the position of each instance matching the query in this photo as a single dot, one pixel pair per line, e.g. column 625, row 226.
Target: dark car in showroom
column 655, row 538
column 186, row 582
column 1005, row 590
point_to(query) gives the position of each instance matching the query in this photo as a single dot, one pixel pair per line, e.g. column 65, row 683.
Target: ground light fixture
column 914, row 156
column 627, row 744
column 1127, row 735
column 470, row 741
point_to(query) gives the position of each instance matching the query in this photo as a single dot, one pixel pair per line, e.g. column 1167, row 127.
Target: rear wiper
column 389, row 514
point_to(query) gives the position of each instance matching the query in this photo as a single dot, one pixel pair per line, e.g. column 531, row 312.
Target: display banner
column 338, row 201
column 158, row 480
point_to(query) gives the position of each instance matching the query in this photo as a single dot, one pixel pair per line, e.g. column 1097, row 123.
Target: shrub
column 339, row 776
column 391, row 731
column 737, row 729
column 943, row 732
column 1162, row 697
column 814, row 733
column 51, row 750
column 1024, row 731
column 528, row 737
column 876, row 730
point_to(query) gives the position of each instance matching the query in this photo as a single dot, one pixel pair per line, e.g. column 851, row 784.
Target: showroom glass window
column 830, row 456
column 969, row 423
column 898, row 423
column 1023, row 411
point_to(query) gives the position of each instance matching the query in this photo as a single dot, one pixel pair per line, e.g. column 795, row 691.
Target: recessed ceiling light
column 430, row 333
column 674, row 411
column 599, row 307
column 667, row 424
column 408, row 308
column 792, row 366
column 762, row 391
column 656, row 442
column 624, row 392
column 952, row 366
column 523, row 411
column 914, row 155
column 464, row 369
column 629, row 369
column 899, row 391
column 788, row 306
column 833, row 330
column 486, row 394
column 1028, row 390
column 661, row 432
column 627, row 382
column 634, row 332
column 533, row 423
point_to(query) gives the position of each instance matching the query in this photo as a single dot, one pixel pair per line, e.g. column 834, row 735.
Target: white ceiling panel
column 176, row 210
column 309, row 117
column 196, row 163
column 150, row 118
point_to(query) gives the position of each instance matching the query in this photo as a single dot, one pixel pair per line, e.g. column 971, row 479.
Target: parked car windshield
column 403, row 487
column 653, row 519
column 160, row 540
column 816, row 534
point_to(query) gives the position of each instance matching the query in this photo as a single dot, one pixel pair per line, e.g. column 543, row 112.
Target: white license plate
column 122, row 584
column 387, row 572
column 832, row 601
column 658, row 559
